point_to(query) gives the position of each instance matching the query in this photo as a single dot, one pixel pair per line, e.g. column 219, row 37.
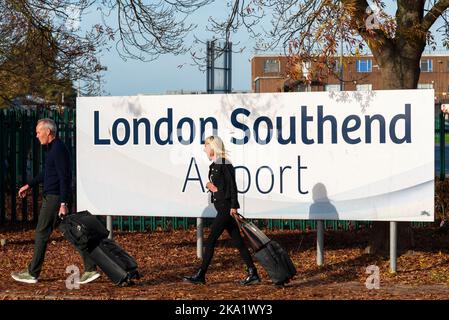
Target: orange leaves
column 164, row 257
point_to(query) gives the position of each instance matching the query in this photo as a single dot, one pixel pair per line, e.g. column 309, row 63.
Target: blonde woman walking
column 223, row 190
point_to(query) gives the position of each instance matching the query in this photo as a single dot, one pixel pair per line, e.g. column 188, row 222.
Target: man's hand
column 63, row 210
column 233, row 212
column 23, row 191
column 211, row 187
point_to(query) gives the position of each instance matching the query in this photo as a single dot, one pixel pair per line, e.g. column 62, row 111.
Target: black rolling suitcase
column 273, row 258
column 115, row 262
column 86, row 232
column 276, row 262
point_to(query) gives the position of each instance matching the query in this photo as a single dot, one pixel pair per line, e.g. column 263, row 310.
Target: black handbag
column 83, row 230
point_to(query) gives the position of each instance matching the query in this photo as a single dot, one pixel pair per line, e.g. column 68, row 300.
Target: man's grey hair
column 49, row 124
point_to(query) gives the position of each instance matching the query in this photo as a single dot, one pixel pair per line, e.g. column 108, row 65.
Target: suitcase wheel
column 134, row 275
column 126, row 283
column 280, row 284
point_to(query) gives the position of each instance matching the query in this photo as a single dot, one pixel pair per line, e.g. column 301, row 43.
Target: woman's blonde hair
column 217, row 146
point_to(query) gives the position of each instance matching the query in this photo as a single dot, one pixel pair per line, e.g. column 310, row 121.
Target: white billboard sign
column 320, row 155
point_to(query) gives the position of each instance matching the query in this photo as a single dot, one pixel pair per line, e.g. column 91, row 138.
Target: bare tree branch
column 434, row 13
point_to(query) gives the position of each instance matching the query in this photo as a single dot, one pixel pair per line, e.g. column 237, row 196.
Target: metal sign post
column 393, row 246
column 320, row 243
column 199, row 237
column 109, row 226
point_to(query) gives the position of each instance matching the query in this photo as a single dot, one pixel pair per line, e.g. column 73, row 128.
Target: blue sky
column 133, row 77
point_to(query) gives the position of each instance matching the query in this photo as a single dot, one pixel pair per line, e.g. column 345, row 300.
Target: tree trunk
column 400, row 69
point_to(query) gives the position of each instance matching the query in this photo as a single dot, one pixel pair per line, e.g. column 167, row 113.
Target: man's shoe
column 89, row 276
column 198, row 278
column 252, row 277
column 23, row 276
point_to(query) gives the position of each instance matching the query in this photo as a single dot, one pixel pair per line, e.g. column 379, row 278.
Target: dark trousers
column 223, row 221
column 46, row 223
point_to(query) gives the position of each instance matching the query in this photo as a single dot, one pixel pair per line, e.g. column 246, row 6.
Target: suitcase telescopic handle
column 239, row 219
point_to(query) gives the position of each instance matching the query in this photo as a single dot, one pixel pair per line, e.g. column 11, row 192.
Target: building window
column 448, row 65
column 271, row 66
column 364, row 87
column 364, row 65
column 332, row 87
column 425, row 85
column 257, row 86
column 426, row 65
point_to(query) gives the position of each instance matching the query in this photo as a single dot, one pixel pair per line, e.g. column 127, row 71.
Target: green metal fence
column 169, row 223
column 22, row 157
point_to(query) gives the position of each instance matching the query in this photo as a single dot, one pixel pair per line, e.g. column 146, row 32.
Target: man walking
column 57, row 180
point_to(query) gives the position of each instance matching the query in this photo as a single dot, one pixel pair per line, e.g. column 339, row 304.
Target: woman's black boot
column 197, row 278
column 252, row 277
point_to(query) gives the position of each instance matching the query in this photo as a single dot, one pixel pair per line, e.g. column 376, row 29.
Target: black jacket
column 222, row 175
column 57, row 174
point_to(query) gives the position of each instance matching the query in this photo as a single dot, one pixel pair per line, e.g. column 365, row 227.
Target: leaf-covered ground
column 165, row 256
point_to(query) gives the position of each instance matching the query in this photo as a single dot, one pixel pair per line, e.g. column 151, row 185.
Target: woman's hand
column 210, row 186
column 233, row 212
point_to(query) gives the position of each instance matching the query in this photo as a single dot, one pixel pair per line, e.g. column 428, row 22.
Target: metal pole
column 208, row 73
column 199, row 237
column 109, row 226
column 230, row 67
column 393, row 246
column 212, row 67
column 320, row 243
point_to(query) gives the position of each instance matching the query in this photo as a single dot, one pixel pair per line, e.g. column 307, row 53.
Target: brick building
column 268, row 74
